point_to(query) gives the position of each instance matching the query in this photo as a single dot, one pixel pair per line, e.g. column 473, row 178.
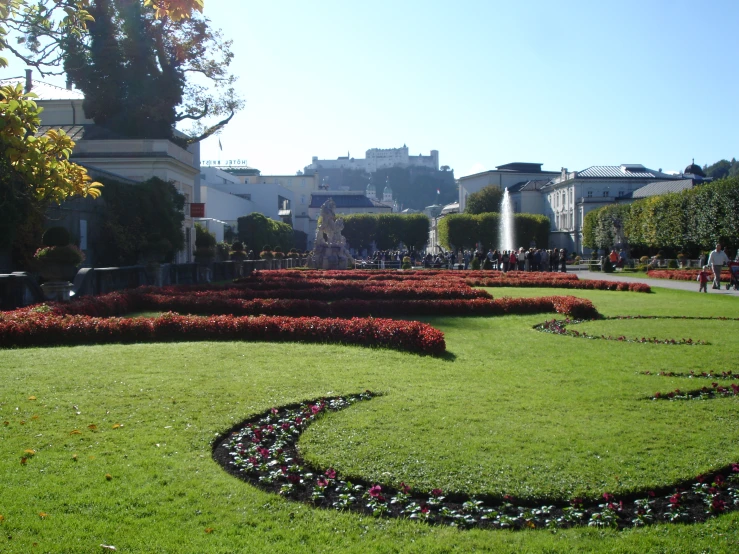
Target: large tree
column 143, row 74
column 33, row 31
column 485, row 200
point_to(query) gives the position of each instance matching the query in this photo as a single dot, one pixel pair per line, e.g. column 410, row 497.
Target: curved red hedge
column 564, row 284
column 42, row 329
column 682, row 274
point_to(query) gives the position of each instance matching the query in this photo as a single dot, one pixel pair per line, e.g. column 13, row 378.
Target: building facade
column 571, row 195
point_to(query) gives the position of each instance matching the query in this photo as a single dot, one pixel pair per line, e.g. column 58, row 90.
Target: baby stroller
column 733, row 276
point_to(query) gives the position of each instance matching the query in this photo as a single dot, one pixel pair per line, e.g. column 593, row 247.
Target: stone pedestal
column 58, row 291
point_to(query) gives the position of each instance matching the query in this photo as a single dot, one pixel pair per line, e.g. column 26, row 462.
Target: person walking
column 717, row 259
column 703, row 279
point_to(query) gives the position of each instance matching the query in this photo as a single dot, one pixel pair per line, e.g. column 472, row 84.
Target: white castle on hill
column 377, row 158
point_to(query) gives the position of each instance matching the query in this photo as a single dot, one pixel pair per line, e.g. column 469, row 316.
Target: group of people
column 531, row 259
column 716, row 261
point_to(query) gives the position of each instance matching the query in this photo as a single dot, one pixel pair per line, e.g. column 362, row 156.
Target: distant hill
column 722, row 168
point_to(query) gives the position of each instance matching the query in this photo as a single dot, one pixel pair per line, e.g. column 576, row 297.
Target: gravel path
column 664, row 283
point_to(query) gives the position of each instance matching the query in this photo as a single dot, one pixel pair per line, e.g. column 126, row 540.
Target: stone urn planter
column 58, row 261
column 57, row 271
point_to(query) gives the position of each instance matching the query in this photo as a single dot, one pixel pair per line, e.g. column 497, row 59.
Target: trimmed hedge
column 46, row 329
column 687, row 221
column 466, row 230
column 682, row 274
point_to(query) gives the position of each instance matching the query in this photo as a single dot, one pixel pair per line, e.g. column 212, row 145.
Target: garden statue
column 329, row 251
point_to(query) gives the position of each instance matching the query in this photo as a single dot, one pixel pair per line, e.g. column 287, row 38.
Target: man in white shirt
column 716, row 260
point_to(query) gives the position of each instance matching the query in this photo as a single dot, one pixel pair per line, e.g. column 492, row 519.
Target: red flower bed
column 565, row 284
column 397, row 275
column 682, row 274
column 41, row 329
column 276, row 295
column 346, row 307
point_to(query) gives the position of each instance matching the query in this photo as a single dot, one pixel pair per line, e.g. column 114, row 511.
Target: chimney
column 29, row 80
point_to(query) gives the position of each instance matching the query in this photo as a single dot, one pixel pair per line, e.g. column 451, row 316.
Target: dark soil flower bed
column 704, row 393
column 693, row 375
column 559, row 327
column 263, row 452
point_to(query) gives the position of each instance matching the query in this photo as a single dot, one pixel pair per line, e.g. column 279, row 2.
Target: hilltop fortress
column 377, row 158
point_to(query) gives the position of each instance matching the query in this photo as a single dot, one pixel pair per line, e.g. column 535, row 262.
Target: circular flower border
column 263, row 452
column 559, row 327
column 704, row 393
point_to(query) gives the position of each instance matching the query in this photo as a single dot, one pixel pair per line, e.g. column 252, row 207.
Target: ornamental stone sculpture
column 329, row 250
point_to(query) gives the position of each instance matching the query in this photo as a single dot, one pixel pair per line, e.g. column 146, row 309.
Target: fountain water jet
column 506, row 240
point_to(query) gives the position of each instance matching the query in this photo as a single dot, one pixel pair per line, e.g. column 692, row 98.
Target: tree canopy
column 722, row 168
column 387, row 231
column 141, row 222
column 143, row 74
column 34, row 171
column 485, row 200
column 468, row 230
column 688, row 221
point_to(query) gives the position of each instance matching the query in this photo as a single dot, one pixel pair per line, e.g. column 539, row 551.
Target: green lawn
column 511, row 410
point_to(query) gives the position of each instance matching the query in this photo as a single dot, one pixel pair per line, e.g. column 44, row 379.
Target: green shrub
column 487, row 264
column 607, row 265
column 266, row 255
column 205, row 244
column 672, row 264
column 56, row 236
column 406, row 263
column 66, row 254
column 475, row 263
column 223, row 251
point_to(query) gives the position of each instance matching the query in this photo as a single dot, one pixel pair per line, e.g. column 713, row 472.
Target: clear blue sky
column 570, row 84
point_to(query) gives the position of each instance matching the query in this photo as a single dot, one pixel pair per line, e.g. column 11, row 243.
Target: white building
column 571, row 195
column 227, row 197
column 377, row 158
column 103, row 153
column 504, row 176
column 301, row 188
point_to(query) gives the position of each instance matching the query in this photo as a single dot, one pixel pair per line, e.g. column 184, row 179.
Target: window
column 590, row 194
column 605, row 194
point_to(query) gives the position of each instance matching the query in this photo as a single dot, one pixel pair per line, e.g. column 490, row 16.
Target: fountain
column 506, row 240
column 329, row 250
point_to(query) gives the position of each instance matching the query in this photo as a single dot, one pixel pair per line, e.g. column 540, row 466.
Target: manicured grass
column 511, row 410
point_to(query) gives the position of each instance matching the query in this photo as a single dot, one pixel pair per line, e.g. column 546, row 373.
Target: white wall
column 501, row 179
column 224, row 206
